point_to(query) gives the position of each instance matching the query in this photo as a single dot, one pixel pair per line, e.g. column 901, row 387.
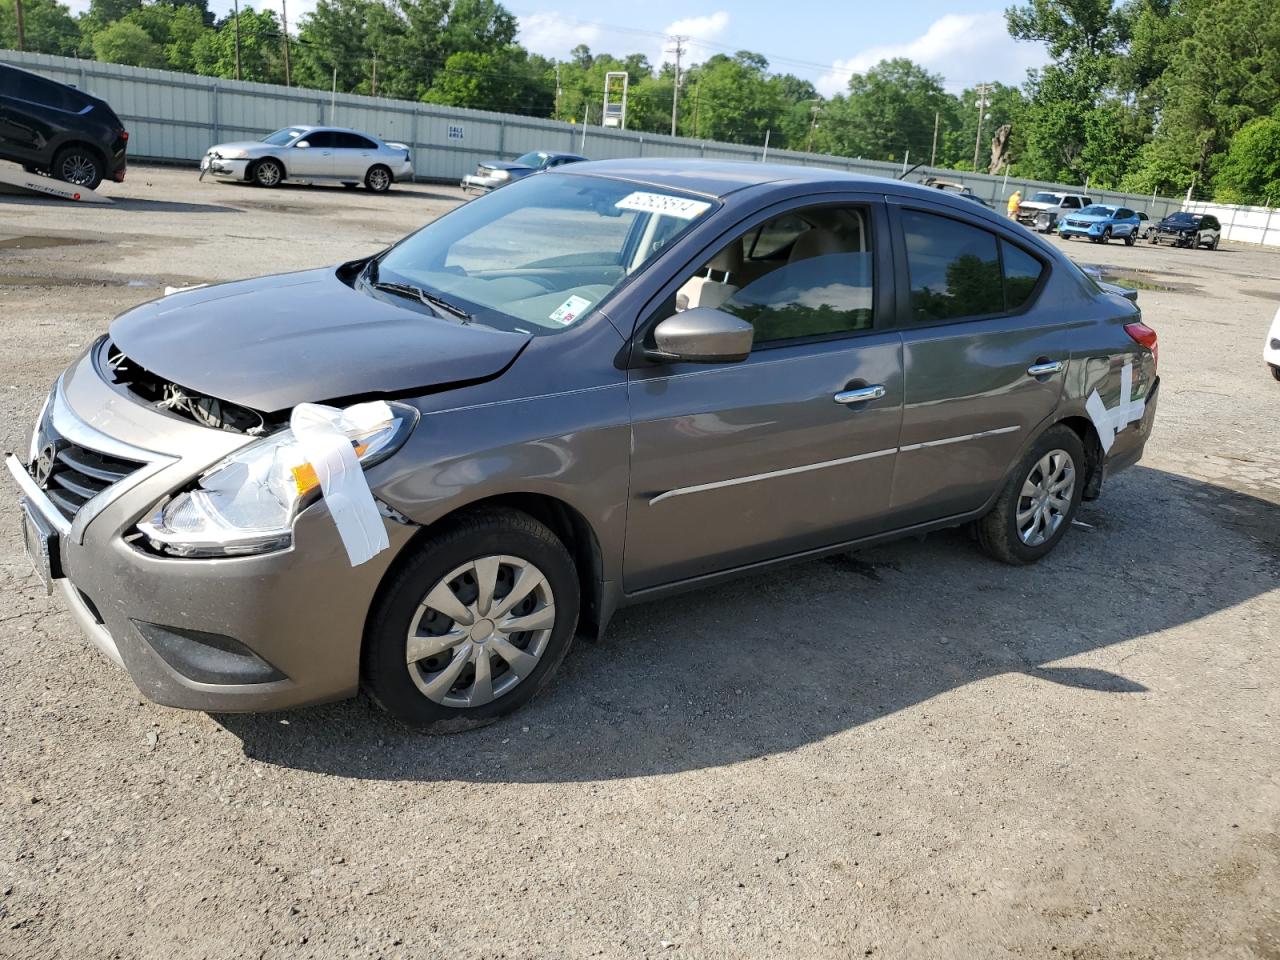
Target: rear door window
column 1021, row 275
column 954, row 268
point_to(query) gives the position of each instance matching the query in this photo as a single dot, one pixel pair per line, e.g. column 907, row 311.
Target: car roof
column 720, row 178
column 324, row 126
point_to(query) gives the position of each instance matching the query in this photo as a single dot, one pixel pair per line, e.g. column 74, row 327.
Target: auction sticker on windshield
column 570, row 310
column 681, row 207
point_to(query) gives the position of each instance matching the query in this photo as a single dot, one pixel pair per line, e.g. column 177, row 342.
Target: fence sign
column 455, row 131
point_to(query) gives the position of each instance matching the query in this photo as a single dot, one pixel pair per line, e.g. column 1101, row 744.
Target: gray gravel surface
column 907, row 752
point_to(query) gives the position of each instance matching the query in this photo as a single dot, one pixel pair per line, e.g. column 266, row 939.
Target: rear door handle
column 1044, row 369
column 861, row 395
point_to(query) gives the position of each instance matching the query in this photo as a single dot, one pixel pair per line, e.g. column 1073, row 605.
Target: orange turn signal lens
column 304, row 475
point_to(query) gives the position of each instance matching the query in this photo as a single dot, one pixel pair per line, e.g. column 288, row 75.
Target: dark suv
column 1185, row 229
column 52, row 128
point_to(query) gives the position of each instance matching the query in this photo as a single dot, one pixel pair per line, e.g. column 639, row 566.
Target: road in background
column 909, row 751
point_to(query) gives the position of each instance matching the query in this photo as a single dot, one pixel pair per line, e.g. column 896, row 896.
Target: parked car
column 600, row 385
column 498, row 173
column 1185, row 229
column 1146, row 227
column 1043, row 210
column 1101, row 223
column 57, row 130
column 312, row 155
column 1271, row 347
column 954, row 186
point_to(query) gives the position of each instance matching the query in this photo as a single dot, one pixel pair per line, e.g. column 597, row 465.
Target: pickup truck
column 1042, row 211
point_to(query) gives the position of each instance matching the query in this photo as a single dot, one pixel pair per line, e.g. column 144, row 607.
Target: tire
column 378, row 179
column 431, row 693
column 1155, row 239
column 1275, row 371
column 1216, row 241
column 79, row 166
column 1000, row 534
column 267, row 173
column 1130, row 239
column 1106, row 235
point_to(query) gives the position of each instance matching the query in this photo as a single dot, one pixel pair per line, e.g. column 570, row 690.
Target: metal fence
column 1243, row 224
column 177, row 116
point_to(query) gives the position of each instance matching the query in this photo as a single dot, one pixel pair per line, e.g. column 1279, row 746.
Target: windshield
column 281, row 137
column 535, row 160
column 539, row 255
column 1098, row 210
column 1045, row 198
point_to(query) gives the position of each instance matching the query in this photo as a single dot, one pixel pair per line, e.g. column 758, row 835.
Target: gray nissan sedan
column 425, row 472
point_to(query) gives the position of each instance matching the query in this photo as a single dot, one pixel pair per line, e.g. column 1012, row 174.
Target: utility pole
column 933, row 154
column 983, row 103
column 284, row 19
column 557, row 112
column 237, row 16
column 679, row 42
column 374, row 88
column 22, row 40
column 333, row 99
column 697, row 89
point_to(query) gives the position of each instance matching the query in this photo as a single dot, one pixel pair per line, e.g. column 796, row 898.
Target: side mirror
column 302, row 144
column 702, row 335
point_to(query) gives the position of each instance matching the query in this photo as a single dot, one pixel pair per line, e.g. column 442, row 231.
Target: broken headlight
column 246, row 503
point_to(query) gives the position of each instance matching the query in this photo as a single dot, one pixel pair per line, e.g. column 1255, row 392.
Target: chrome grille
column 72, row 475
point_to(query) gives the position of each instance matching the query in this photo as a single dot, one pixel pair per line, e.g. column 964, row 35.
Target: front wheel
column 474, row 625
column 1106, row 236
column 1216, row 241
column 378, row 179
column 1035, row 509
column 1275, row 371
column 267, row 173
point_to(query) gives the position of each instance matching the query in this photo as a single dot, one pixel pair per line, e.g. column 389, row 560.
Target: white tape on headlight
column 324, row 434
column 1112, row 421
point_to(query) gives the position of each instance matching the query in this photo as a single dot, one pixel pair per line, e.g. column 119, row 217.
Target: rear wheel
column 1130, row 239
column 78, row 165
column 1216, row 240
column 378, row 179
column 1035, row 509
column 267, row 173
column 1275, row 371
column 474, row 625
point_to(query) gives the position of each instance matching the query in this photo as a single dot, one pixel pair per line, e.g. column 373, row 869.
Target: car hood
column 1177, row 225
column 278, row 341
column 253, row 145
column 1038, row 205
column 1089, row 217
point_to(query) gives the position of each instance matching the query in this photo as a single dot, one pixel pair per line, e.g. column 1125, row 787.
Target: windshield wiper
column 423, row 296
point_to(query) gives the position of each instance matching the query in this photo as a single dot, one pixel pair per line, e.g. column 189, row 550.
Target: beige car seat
column 714, row 283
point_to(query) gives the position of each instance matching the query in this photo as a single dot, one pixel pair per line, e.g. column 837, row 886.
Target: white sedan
column 311, row 154
column 1271, row 347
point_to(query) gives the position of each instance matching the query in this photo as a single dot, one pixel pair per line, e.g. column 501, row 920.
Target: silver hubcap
column 378, row 179
column 1046, row 497
column 480, row 631
column 269, row 174
column 78, row 169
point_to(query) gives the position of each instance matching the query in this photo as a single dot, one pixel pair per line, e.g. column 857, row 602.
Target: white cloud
column 709, row 27
column 966, row 48
column 554, row 35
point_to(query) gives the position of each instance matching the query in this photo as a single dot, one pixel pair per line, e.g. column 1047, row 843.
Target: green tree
column 1250, row 172
column 261, row 56
column 889, row 110
column 736, row 102
column 1070, row 28
column 47, row 27
column 503, row 82
column 126, row 42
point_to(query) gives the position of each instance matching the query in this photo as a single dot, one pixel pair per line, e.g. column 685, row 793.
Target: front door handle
column 1044, row 368
column 861, row 395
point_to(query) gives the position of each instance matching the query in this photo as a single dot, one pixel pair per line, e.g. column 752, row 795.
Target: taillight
column 124, row 134
column 1144, row 335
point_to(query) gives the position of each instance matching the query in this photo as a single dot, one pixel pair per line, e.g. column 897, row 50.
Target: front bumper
column 482, row 184
column 297, row 615
column 222, row 167
column 1271, row 345
column 1092, row 233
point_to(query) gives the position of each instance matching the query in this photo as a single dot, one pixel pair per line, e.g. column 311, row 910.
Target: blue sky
column 823, row 42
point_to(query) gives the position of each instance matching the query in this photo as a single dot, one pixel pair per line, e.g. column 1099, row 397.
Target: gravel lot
column 908, row 752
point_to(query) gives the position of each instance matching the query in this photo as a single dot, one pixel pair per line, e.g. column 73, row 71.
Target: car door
column 32, row 114
column 793, row 448
column 311, row 156
column 353, row 155
column 980, row 375
column 1126, row 222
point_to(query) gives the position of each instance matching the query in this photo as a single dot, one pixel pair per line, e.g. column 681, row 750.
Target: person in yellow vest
column 1014, row 199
